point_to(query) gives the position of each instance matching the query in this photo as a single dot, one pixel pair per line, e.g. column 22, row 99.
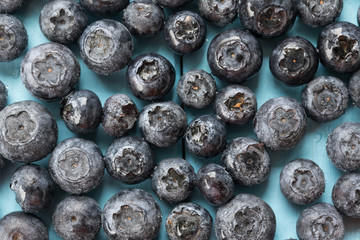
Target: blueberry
column 20, row 225
column 354, row 88
column 302, row 181
column 131, row 214
column 358, row 16
column 77, row 165
column 62, row 21
column 189, row 221
column 215, row 184
column 104, row 8
column 106, row 46
column 267, row 19
column 130, row 160
column 12, row 6
column 205, row 136
column 13, row 37
column 77, row 218
column 3, row 95
column 29, row 132
column 247, row 161
column 325, row 98
column 172, row 3
column 320, row 221
column 294, row 61
column 119, row 115
column 50, row 71
column 280, row 123
column 339, row 47
column 173, row 180
column 150, row 76
column 235, row 105
column 33, row 187
column 245, row 217
column 81, row 111
column 234, row 55
column 219, row 12
column 162, row 123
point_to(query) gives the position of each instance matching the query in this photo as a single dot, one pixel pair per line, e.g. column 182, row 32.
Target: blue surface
column 263, row 84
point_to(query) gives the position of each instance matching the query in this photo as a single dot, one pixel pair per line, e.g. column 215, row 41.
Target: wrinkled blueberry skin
column 339, row 47
column 354, row 88
column 33, row 187
column 29, row 132
column 131, row 214
column 319, row 13
column 62, row 21
column 77, row 165
column 220, row 13
column 144, row 18
column 235, row 105
column 173, row 180
column 247, row 161
column 162, row 123
column 280, row 123
column 325, row 98
column 77, row 218
column 103, row 7
column 3, row 95
column 106, row 46
column 215, row 184
column 267, row 19
column 11, row 6
column 320, row 221
column 14, row 37
column 343, row 146
column 302, row 181
column 150, row 76
column 20, row 225
column 50, row 71
column 294, row 61
column 245, row 217
column 172, row 3
column 130, row 160
column 205, row 136
column 188, row 221
column 234, row 55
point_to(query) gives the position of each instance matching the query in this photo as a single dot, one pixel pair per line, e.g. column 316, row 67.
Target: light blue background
column 263, row 84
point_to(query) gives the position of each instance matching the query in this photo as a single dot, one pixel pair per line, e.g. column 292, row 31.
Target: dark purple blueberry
column 50, row 71
column 245, row 217
column 130, row 160
column 131, row 214
column 11, row 6
column 172, row 3
column 104, row 7
column 234, row 55
column 219, row 12
column 3, row 95
column 354, row 88
column 173, row 180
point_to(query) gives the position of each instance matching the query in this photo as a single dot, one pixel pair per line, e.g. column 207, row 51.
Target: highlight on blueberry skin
column 220, row 13
column 354, row 88
column 101, row 7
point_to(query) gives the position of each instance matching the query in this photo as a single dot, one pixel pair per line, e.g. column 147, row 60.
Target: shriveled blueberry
column 33, row 187
column 162, row 123
column 77, row 165
column 131, row 214
column 50, row 71
column 3, row 95
column 104, row 7
column 354, row 88
column 219, row 12
column 29, row 132
column 119, row 115
column 235, row 105
column 106, row 46
column 234, row 55
column 320, row 221
column 189, row 221
column 215, row 184
column 247, row 161
column 173, row 180
column 77, row 218
column 294, row 61
column 130, row 160
column 172, row 3
column 13, row 37
column 11, row 6
column 245, row 217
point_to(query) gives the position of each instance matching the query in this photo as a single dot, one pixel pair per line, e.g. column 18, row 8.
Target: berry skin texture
column 29, row 132
column 131, row 214
column 106, row 46
column 245, row 217
column 280, row 123
column 189, row 221
column 77, row 218
column 11, row 6
column 325, row 98
column 320, row 221
column 104, row 8
column 172, row 3
column 220, row 13
column 3, row 95
column 234, row 55
column 50, row 71
column 354, row 88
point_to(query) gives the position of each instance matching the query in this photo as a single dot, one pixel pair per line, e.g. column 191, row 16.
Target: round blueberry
column 12, row 6
column 172, row 3
column 3, row 95
column 104, row 8
column 354, row 88
column 219, row 12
